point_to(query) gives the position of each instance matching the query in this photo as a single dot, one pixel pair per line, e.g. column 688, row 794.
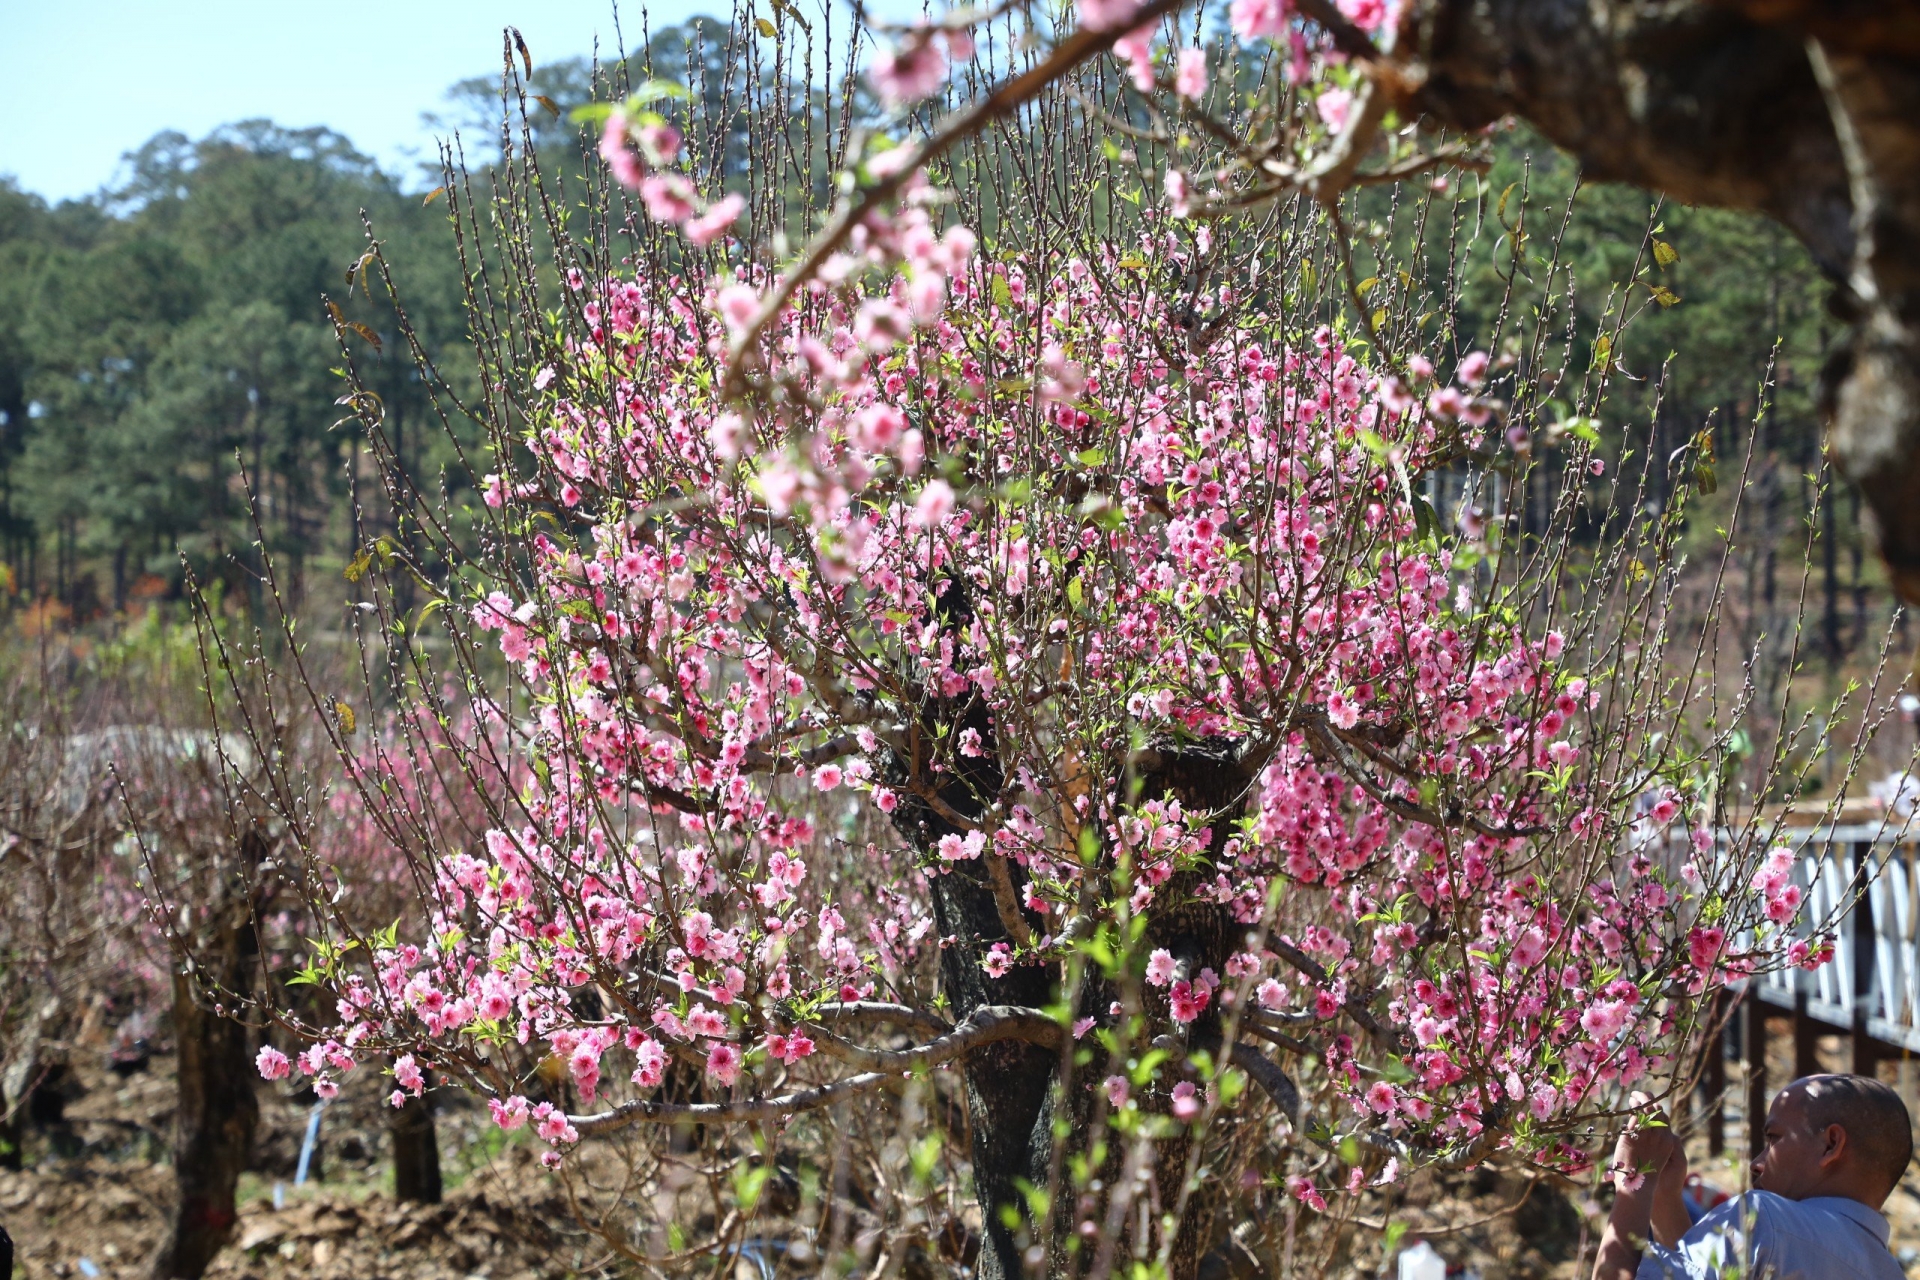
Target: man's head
column 1835, row 1136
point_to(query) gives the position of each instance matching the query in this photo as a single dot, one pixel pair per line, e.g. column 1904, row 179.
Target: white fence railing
column 1872, row 985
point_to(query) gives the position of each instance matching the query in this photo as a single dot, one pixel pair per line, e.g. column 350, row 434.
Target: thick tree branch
column 867, row 1013
column 989, row 1024
column 646, row 1112
column 1266, row 1073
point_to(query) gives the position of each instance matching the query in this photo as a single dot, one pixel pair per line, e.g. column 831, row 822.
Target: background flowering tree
column 1031, row 677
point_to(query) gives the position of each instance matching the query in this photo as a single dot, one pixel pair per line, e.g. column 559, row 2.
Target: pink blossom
column 1117, row 1091
column 1179, row 193
column 926, row 296
column 1186, row 1102
column 998, row 961
column 1105, row 15
column 1333, row 106
column 1135, row 48
column 1703, row 946
column 622, row 161
column 1187, row 1001
column 1160, row 967
column 826, row 777
column 1259, row 19
column 1604, row 1019
column 272, row 1063
column 1190, row 75
column 723, row 1062
column 668, row 197
column 650, row 1061
column 510, row 1114
column 660, row 141
column 1368, row 15
column 908, row 71
column 878, row 426
column 716, row 221
column 934, row 504
column 407, row 1074
column 1784, row 904
column 738, row 304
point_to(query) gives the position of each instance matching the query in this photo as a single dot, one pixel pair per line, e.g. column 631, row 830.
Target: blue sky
column 92, row 79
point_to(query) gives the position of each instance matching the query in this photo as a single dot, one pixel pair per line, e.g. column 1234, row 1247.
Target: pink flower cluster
column 640, row 149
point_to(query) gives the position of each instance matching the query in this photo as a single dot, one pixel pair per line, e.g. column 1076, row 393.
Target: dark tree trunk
column 1806, row 110
column 1014, row 1093
column 1009, row 1084
column 416, row 1151
column 216, row 1111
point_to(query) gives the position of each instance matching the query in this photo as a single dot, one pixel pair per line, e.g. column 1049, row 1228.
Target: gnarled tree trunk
column 1015, row 1091
column 216, row 1112
column 1806, row 110
column 416, row 1150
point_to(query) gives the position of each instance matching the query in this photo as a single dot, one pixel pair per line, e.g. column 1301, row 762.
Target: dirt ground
column 93, row 1199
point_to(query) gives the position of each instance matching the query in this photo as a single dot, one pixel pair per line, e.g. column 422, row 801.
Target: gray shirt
column 1762, row 1236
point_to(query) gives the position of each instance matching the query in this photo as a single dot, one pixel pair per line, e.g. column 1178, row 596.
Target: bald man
column 1836, row 1147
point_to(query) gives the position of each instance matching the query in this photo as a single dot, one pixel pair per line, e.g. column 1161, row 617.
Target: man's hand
column 1649, row 1152
column 1650, row 1171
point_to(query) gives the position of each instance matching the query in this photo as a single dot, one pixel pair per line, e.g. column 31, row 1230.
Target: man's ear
column 1833, row 1145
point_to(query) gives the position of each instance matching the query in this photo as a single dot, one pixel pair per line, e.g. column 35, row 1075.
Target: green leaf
column 654, row 90
column 1002, row 295
column 1664, row 253
column 926, row 1158
column 1663, row 295
column 1426, row 524
column 749, row 1180
column 764, row 27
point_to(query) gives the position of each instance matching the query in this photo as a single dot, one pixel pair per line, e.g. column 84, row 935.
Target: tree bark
column 216, row 1110
column 1014, row 1096
column 1009, row 1084
column 1805, row 110
column 416, row 1151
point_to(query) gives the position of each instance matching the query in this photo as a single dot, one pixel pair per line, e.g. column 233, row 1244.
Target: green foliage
column 170, row 337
